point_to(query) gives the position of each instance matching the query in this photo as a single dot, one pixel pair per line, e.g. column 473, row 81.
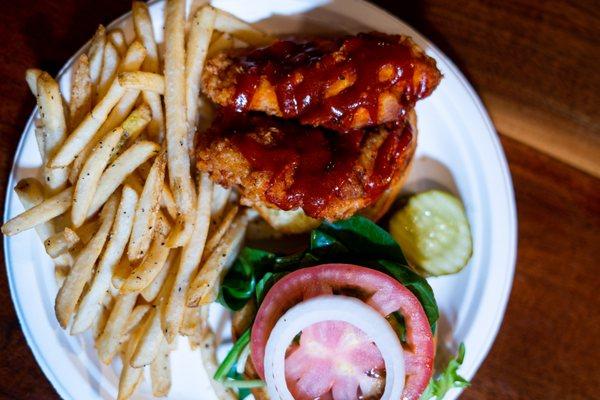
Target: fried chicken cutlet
column 340, row 83
column 287, row 166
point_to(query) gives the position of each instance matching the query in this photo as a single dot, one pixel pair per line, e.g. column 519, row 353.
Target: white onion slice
column 333, row 308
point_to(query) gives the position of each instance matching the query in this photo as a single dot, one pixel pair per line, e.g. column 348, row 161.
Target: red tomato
column 380, row 291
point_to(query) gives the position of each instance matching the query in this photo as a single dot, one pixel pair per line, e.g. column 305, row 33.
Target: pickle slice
column 434, row 233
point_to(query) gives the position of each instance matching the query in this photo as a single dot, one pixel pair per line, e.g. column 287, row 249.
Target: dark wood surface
column 535, row 65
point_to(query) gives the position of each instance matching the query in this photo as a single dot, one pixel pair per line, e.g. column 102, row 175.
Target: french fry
column 217, row 234
column 145, row 33
column 102, row 316
column 39, row 136
column 191, row 321
column 150, row 292
column 87, row 231
column 156, row 129
column 117, row 38
column 116, row 172
column 80, row 273
column 219, row 201
column 208, row 352
column 130, row 377
column 109, row 68
column 224, row 42
column 61, row 242
column 132, row 61
column 96, row 54
column 31, row 193
column 52, row 116
column 201, row 30
column 152, row 334
column 31, row 77
column 147, row 81
column 136, row 122
column 152, row 264
column 180, row 178
column 150, row 340
column 190, row 259
column 136, row 316
column 121, row 229
column 147, row 209
column 168, row 202
column 121, row 272
column 86, row 130
column 226, row 22
column 160, row 371
column 81, row 91
column 43, row 212
column 205, row 286
column 195, row 339
column 116, row 326
column 91, row 172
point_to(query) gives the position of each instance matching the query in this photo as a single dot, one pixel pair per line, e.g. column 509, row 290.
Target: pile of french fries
column 138, row 238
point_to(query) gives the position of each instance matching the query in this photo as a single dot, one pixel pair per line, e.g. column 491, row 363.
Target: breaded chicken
column 342, row 84
column 283, row 165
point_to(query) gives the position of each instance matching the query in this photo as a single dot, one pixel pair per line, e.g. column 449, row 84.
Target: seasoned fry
column 150, row 340
column 121, row 229
column 150, row 292
column 160, row 371
column 152, row 264
column 61, row 242
column 80, row 273
column 109, row 341
column 52, row 117
column 190, row 259
column 81, row 91
column 180, row 178
column 147, row 81
column 145, row 33
column 132, row 61
column 130, row 377
column 31, row 77
column 147, row 209
column 217, row 234
column 208, row 351
column 109, row 68
column 201, row 30
column 96, row 54
column 168, row 202
column 43, row 212
column 91, row 172
column 226, row 22
column 224, row 42
column 31, row 193
column 85, row 131
column 133, row 126
column 136, row 316
column 117, row 38
column 191, row 321
column 205, row 285
column 116, row 172
column 101, row 317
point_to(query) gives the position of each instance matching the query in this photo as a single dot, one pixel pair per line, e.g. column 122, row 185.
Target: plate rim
column 511, row 232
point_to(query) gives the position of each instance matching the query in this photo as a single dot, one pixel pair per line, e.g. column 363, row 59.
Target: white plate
column 458, row 149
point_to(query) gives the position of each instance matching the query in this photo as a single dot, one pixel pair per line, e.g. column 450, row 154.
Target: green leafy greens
column 356, row 240
column 447, row 379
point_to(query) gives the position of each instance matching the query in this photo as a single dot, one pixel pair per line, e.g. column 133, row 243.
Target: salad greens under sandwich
column 347, row 317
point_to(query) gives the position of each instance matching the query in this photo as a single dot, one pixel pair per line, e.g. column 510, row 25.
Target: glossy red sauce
column 309, row 166
column 302, row 72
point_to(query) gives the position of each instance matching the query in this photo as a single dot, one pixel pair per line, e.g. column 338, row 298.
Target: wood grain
column 535, row 65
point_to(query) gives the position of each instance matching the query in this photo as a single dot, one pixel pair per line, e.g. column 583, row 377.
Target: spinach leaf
column 447, row 379
column 231, row 358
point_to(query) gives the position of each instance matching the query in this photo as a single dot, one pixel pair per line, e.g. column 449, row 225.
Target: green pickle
column 434, row 233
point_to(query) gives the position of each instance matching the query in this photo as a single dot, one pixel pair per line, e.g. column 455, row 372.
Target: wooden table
column 535, row 66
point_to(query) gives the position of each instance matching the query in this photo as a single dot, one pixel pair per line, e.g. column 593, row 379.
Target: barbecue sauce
column 310, row 166
column 303, row 73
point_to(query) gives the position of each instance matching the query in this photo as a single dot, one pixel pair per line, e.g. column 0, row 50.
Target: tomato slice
column 378, row 290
